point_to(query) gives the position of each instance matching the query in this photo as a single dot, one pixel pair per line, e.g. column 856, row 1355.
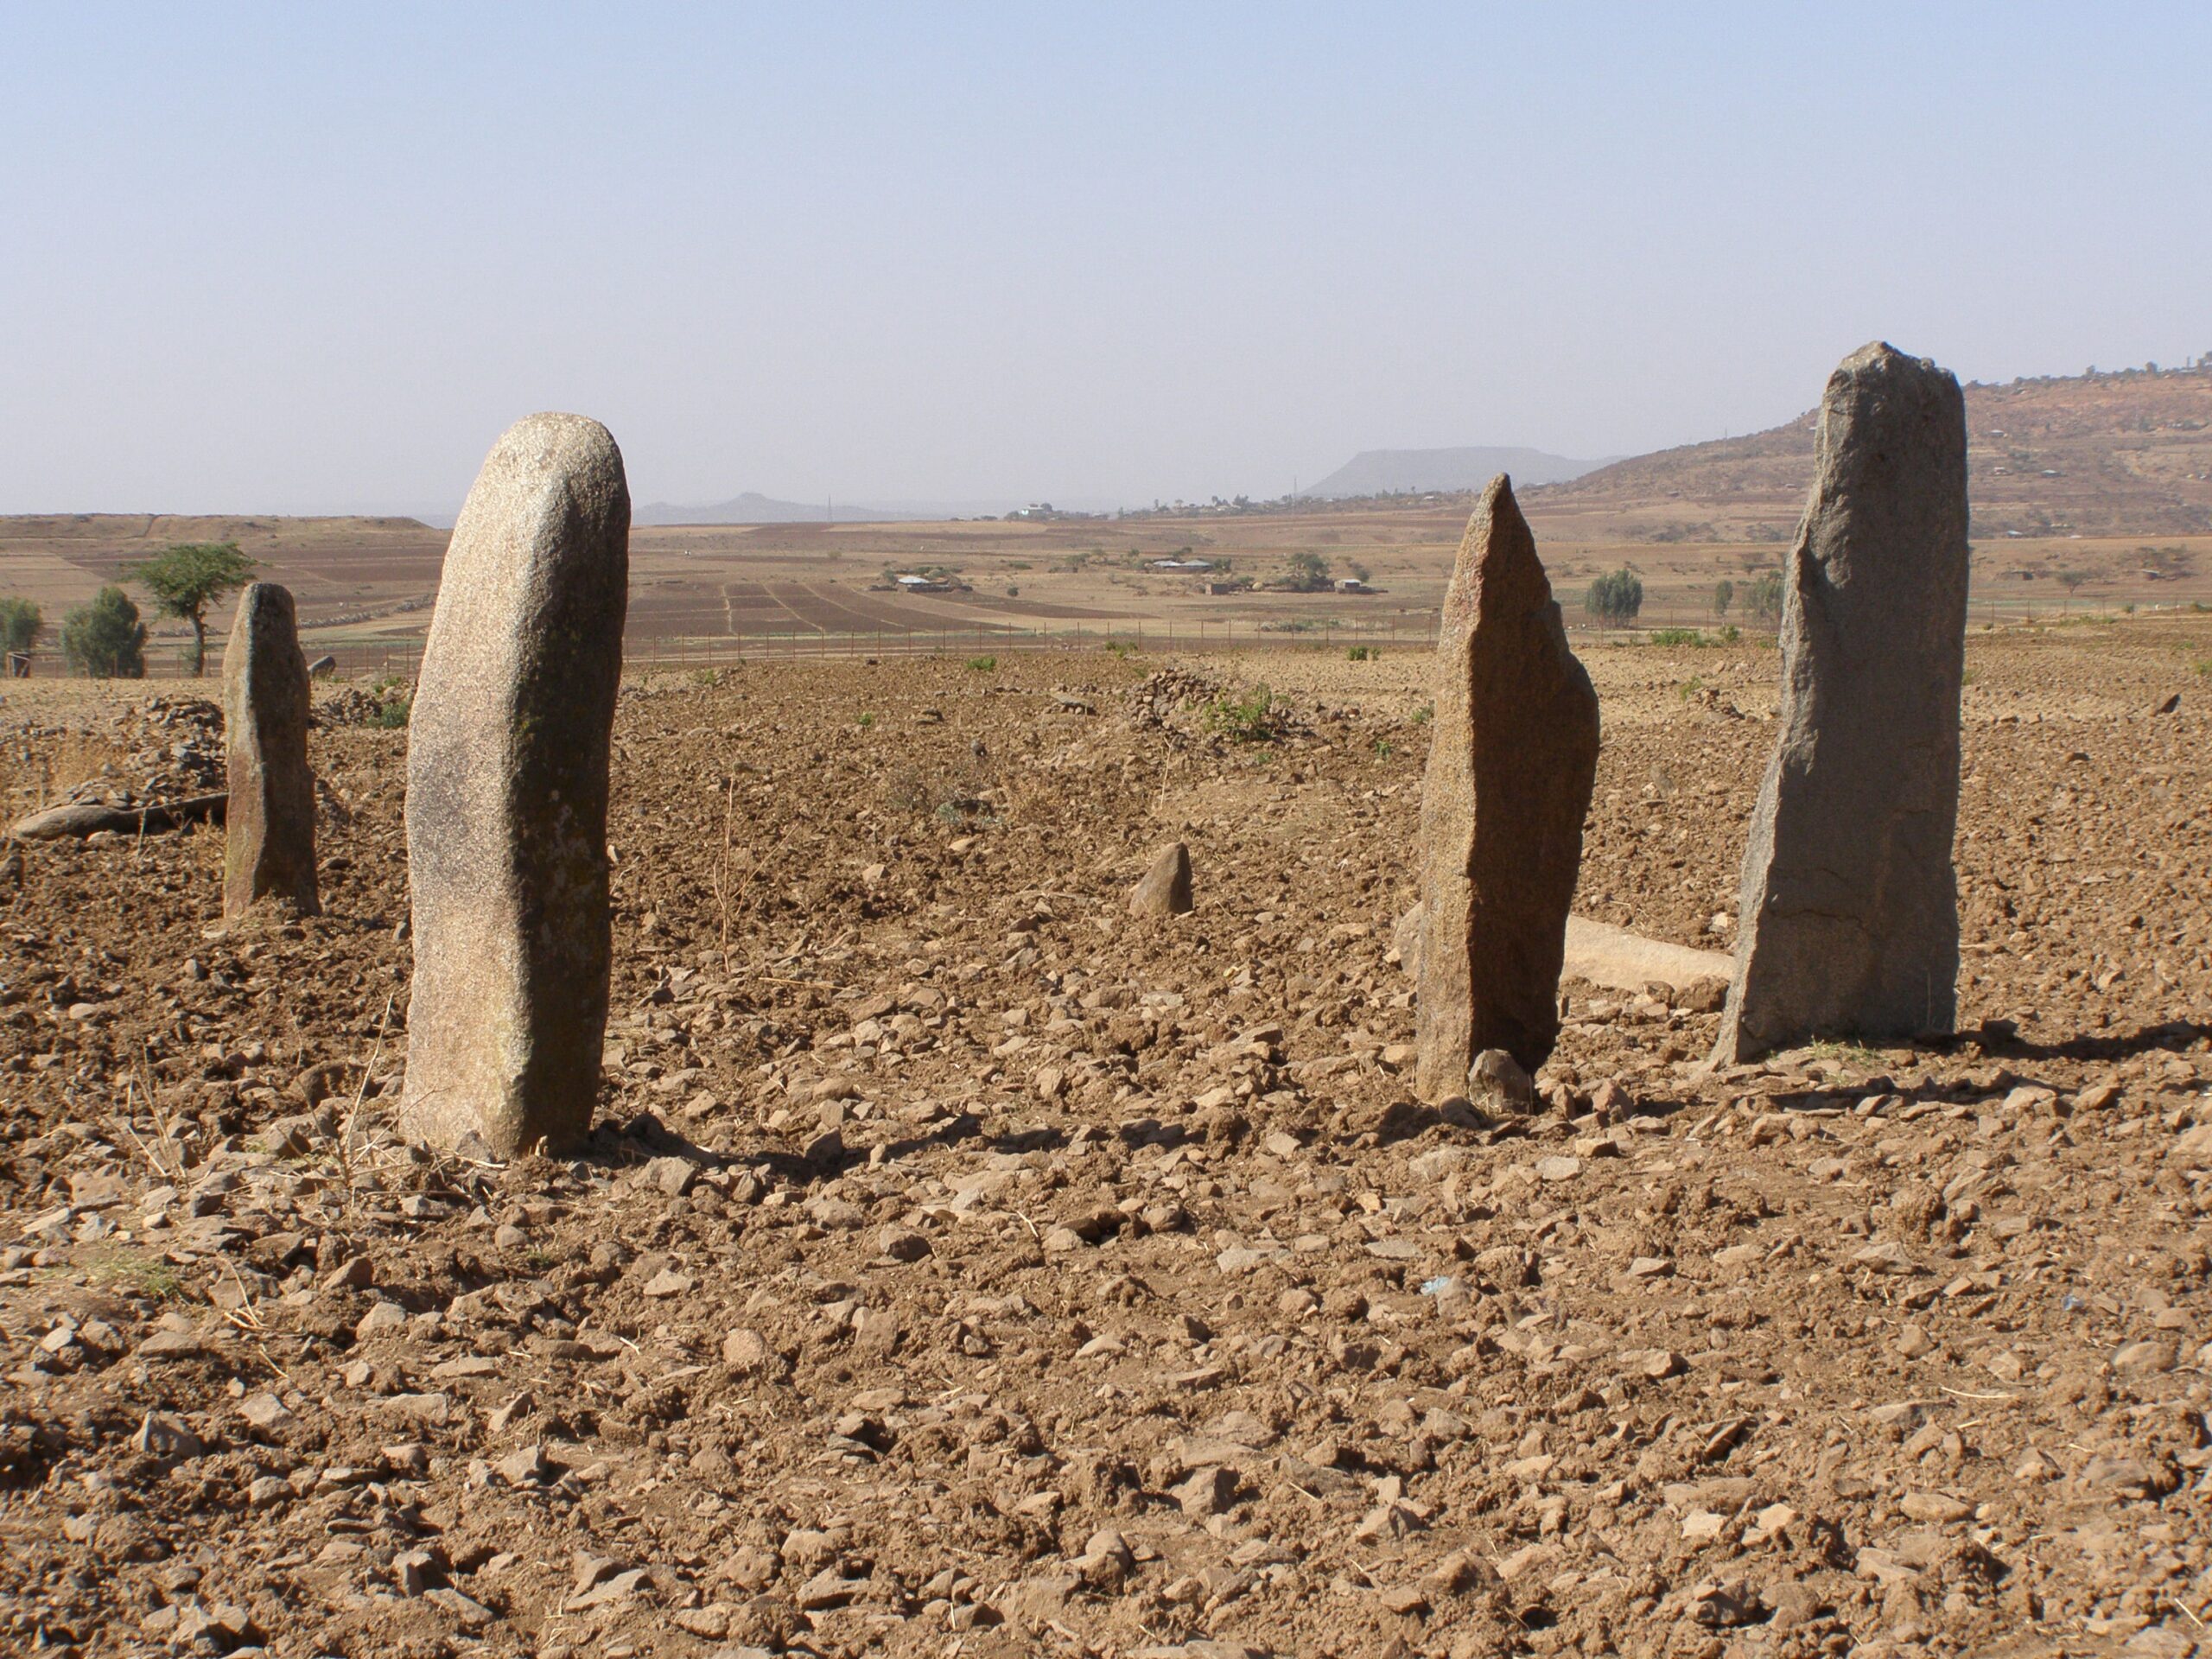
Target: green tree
column 1309, row 572
column 188, row 578
column 1615, row 599
column 2070, row 579
column 1723, row 595
column 20, row 622
column 104, row 639
column 1765, row 601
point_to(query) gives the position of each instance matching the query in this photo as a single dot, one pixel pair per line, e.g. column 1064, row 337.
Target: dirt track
column 964, row 1266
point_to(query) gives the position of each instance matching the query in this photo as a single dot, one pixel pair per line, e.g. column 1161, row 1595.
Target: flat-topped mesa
column 1513, row 754
column 1849, row 909
column 506, row 796
column 269, row 821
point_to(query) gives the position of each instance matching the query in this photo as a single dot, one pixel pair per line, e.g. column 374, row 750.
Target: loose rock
column 1165, row 888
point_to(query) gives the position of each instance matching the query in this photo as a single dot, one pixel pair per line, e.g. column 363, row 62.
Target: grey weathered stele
column 269, row 820
column 1849, row 910
column 1165, row 888
column 508, row 750
column 1513, row 753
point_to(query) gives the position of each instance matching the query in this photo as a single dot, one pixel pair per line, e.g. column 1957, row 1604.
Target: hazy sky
column 301, row 257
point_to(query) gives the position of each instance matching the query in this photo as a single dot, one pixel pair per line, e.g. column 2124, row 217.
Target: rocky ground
column 964, row 1267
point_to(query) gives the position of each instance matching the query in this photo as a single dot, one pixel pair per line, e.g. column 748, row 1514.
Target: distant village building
column 1181, row 567
column 915, row 584
column 1352, row 585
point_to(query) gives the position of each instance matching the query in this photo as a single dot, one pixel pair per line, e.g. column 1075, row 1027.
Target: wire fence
column 402, row 657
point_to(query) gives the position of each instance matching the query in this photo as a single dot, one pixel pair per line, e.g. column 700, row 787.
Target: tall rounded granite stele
column 1849, row 909
column 1513, row 755
column 506, row 797
column 269, row 821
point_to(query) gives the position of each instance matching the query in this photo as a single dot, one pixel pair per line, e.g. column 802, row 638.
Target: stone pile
column 1164, row 693
column 352, row 706
column 176, row 747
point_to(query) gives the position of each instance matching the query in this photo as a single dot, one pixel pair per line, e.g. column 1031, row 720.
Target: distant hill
column 2121, row 454
column 752, row 508
column 1387, row 471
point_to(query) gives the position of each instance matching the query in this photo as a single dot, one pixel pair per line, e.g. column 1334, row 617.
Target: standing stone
column 1512, row 757
column 1850, row 916
column 506, row 796
column 269, row 821
column 1165, row 889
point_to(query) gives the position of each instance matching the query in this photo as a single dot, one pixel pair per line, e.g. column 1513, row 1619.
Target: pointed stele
column 1513, row 754
column 1165, row 888
column 269, row 821
column 506, row 797
column 1849, row 909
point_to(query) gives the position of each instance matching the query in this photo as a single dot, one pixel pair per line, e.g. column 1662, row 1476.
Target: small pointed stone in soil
column 1165, row 889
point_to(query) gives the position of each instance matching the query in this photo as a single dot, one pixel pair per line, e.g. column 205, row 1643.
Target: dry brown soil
column 964, row 1266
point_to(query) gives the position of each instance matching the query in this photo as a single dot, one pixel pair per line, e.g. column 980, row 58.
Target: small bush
column 1423, row 714
column 982, row 665
column 1616, row 598
column 1765, row 601
column 105, row 640
column 20, row 622
column 1677, row 637
column 866, row 721
column 1361, row 654
column 392, row 716
column 138, row 1274
column 1247, row 718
